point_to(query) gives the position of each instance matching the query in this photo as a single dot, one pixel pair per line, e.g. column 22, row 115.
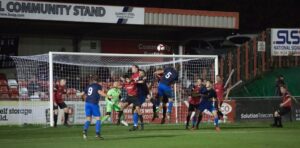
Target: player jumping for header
column 168, row 78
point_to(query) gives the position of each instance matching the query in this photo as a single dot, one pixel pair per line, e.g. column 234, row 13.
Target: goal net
column 38, row 74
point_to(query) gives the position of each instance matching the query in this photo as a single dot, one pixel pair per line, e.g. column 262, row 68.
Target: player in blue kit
column 92, row 96
column 169, row 76
column 209, row 103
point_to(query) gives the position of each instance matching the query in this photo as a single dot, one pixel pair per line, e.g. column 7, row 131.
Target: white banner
column 70, row 12
column 285, row 42
column 27, row 112
column 37, row 112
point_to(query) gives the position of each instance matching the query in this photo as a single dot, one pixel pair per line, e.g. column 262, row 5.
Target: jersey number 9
column 90, row 91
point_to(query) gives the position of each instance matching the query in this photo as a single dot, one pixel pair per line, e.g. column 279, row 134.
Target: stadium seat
column 14, row 96
column 35, row 96
column 71, row 91
column 4, row 90
column 44, row 84
column 44, row 96
column 22, row 83
column 3, row 82
column 2, row 76
column 23, row 91
column 12, row 82
column 13, row 89
column 4, row 96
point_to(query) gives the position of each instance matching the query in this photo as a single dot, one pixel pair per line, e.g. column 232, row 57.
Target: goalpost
column 45, row 70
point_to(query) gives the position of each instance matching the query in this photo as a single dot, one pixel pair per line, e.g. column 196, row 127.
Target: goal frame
column 117, row 55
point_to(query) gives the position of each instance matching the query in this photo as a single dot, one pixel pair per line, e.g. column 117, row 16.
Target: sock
column 199, row 119
column 66, row 118
column 55, row 120
column 194, row 121
column 188, row 119
column 164, row 111
column 86, row 125
column 135, row 119
column 216, row 121
column 154, row 108
column 220, row 114
column 141, row 119
column 104, row 118
column 98, row 127
column 275, row 120
column 170, row 106
column 119, row 116
column 279, row 121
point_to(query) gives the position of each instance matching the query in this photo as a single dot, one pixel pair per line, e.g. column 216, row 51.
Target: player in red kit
column 194, row 100
column 59, row 90
column 131, row 87
column 135, row 72
column 219, row 88
column 285, row 106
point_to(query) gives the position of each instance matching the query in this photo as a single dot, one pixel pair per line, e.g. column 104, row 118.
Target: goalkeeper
column 112, row 101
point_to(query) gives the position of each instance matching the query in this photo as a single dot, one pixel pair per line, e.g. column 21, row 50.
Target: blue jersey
column 170, row 76
column 202, row 92
column 209, row 94
column 207, row 102
column 92, row 93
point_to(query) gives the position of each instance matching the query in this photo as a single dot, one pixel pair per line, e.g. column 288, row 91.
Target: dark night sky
column 255, row 15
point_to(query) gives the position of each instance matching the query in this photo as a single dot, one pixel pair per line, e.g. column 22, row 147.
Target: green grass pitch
column 238, row 135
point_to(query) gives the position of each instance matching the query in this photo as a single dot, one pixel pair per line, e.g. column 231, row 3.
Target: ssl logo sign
column 287, row 36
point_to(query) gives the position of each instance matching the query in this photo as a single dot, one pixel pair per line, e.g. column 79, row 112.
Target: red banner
column 136, row 46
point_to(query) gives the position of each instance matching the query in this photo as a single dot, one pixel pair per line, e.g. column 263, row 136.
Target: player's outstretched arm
column 102, row 93
column 83, row 96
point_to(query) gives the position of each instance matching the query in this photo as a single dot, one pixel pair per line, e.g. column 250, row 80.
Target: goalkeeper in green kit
column 112, row 102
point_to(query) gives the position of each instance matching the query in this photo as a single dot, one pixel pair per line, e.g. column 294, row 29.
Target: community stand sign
column 70, row 12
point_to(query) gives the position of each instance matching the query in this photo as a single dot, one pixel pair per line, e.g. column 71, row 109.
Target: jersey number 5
column 90, row 91
column 168, row 75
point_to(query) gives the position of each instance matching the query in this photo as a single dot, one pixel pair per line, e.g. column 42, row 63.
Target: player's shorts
column 110, row 107
column 283, row 110
column 142, row 99
column 92, row 109
column 155, row 101
column 60, row 105
column 164, row 90
column 133, row 100
column 165, row 99
column 208, row 105
column 193, row 107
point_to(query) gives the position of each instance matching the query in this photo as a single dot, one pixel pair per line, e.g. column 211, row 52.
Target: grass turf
column 245, row 135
